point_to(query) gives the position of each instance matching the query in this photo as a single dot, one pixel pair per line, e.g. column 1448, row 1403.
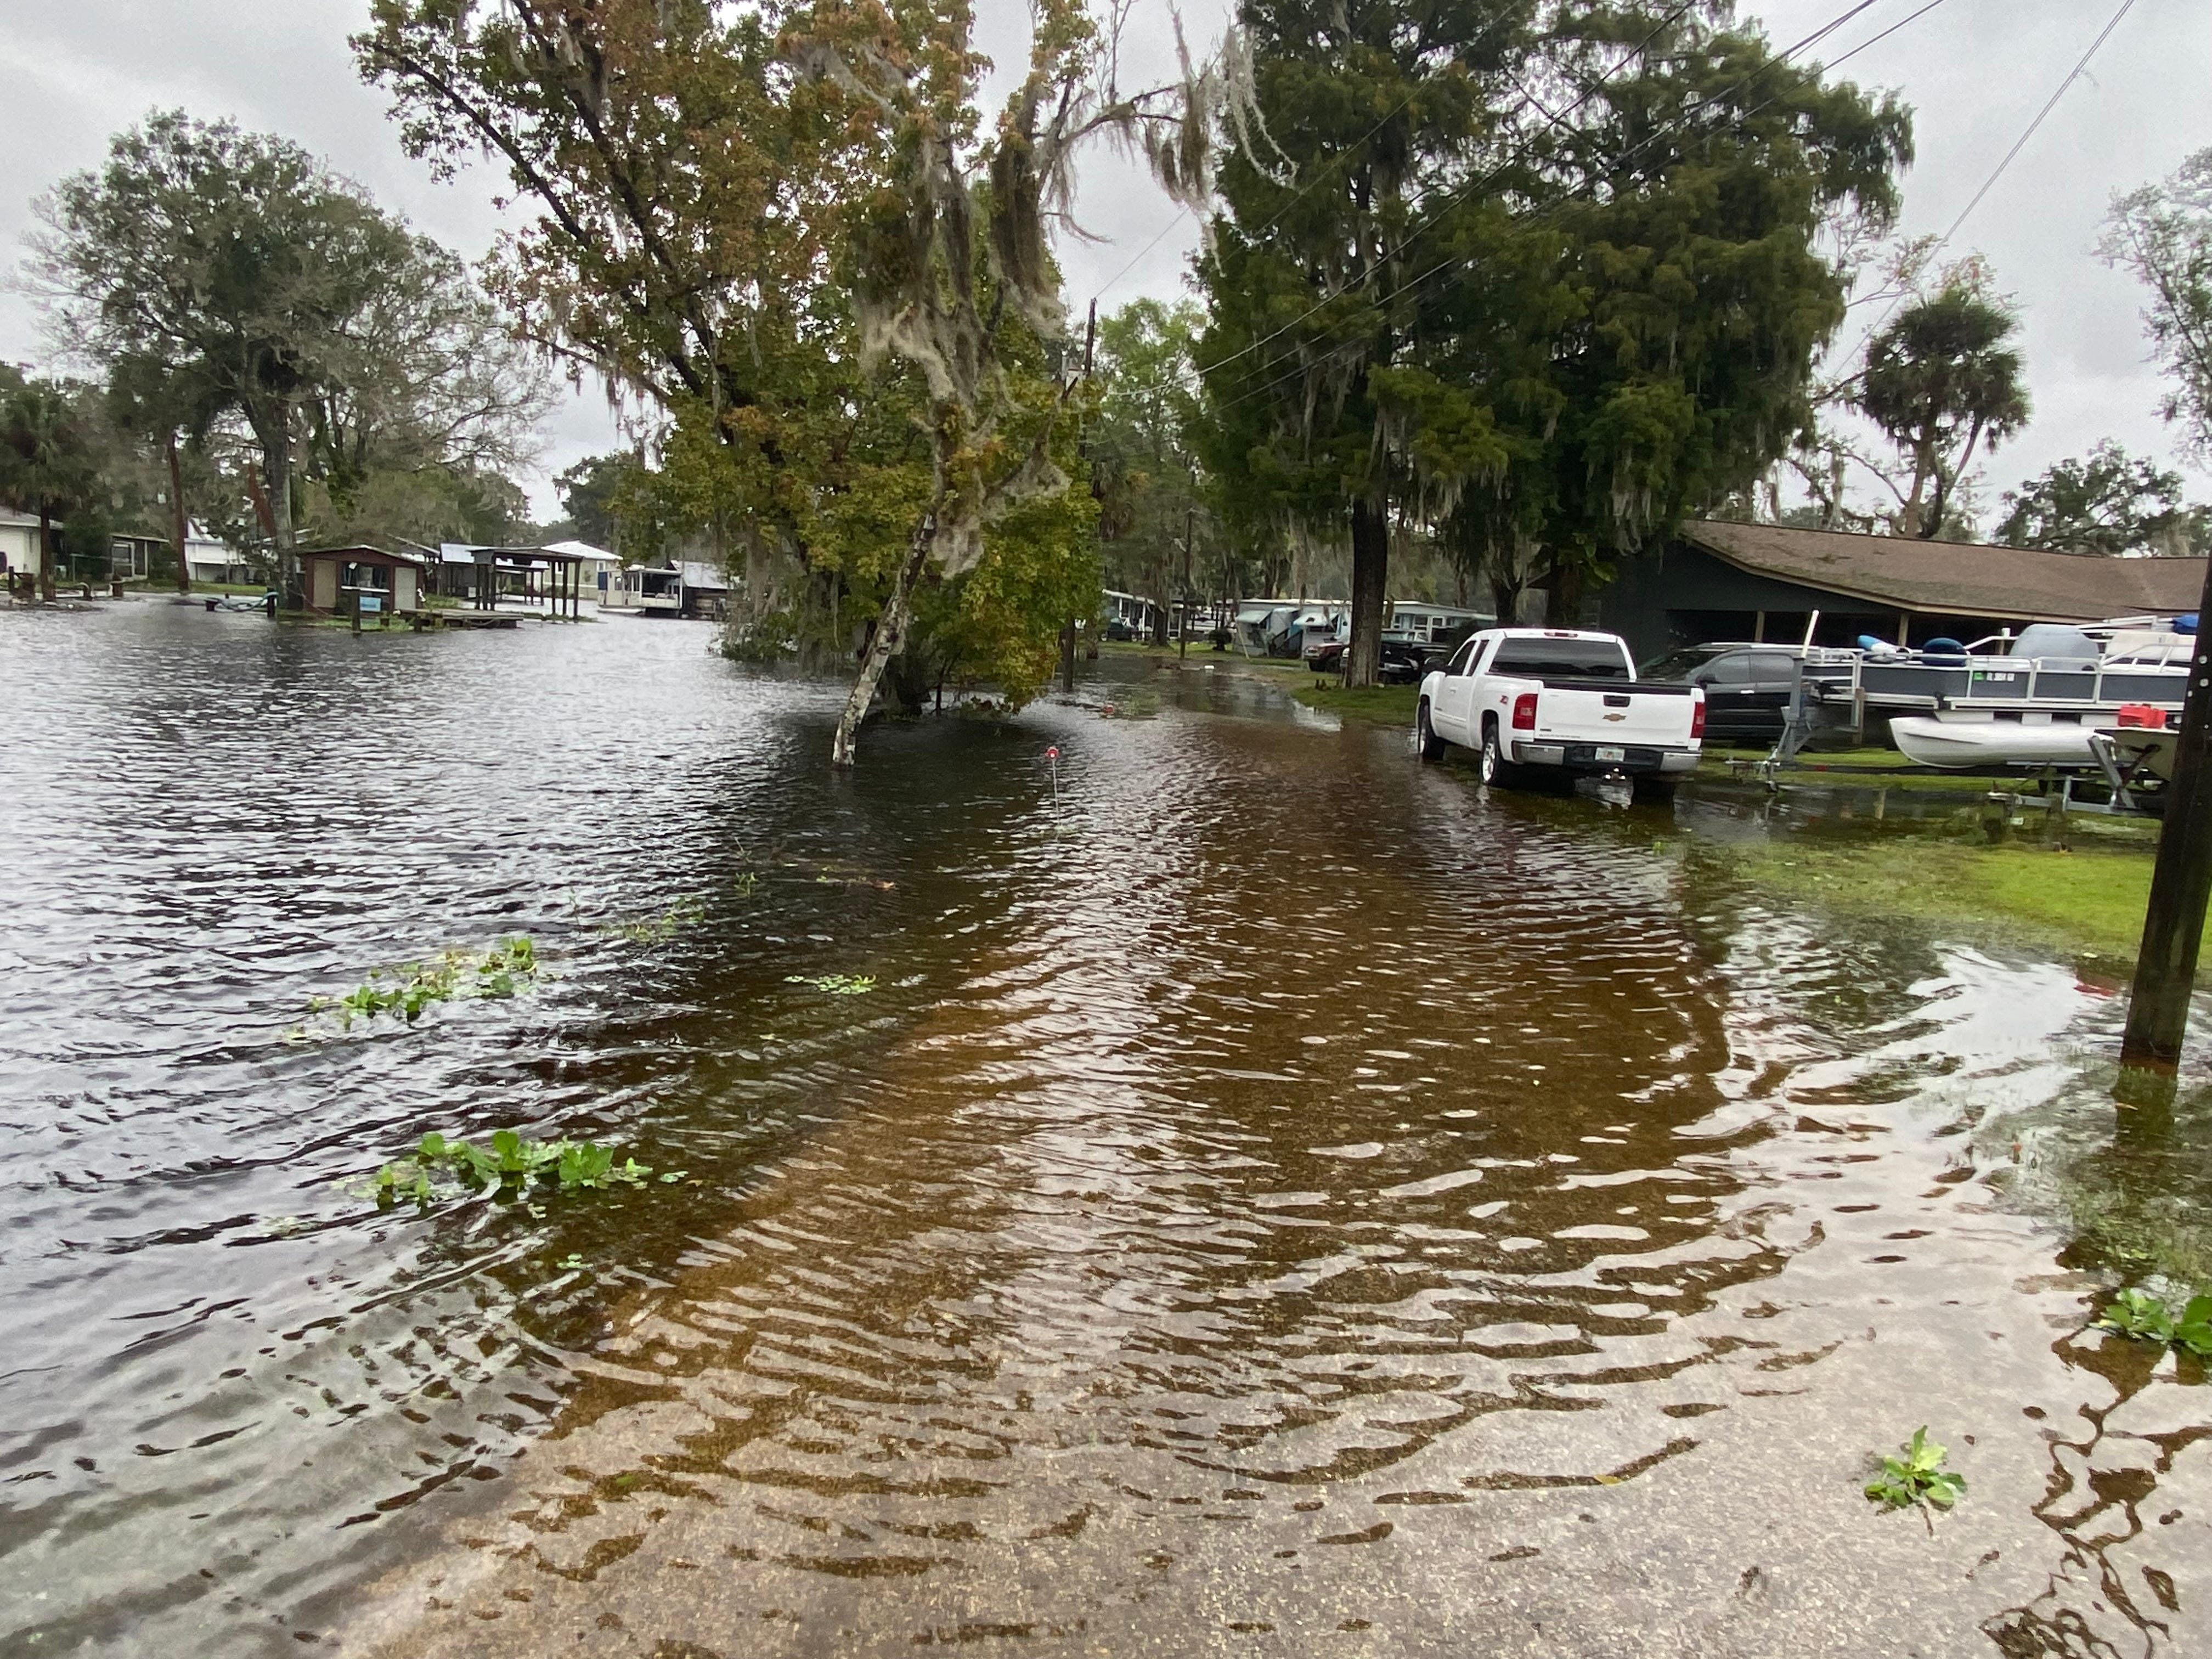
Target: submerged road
column 1282, row 1200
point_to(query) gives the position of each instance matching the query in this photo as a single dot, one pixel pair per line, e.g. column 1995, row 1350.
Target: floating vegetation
column 2148, row 1318
column 507, row 1168
column 412, row 987
column 1917, row 1477
column 836, row 984
column 660, row 929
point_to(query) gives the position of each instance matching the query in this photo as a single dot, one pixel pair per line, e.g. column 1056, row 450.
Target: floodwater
column 1249, row 1193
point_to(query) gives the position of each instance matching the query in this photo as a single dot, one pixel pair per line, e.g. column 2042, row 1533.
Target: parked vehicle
column 1561, row 698
column 1402, row 662
column 1747, row 687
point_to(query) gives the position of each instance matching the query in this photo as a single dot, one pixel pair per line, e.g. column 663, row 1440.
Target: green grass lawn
column 2086, row 901
column 1869, row 769
column 1375, row 705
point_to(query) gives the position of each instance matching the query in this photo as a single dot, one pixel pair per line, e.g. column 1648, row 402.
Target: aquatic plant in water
column 508, row 1166
column 836, row 984
column 658, row 930
column 2148, row 1318
column 1917, row 1477
column 412, row 987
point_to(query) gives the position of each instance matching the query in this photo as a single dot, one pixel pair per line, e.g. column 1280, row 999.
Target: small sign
column 370, row 603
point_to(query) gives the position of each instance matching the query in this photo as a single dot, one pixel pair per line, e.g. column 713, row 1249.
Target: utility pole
column 2173, row 924
column 1067, row 633
column 1189, row 521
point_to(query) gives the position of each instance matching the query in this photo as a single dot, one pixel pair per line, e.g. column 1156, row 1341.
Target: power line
column 1675, row 125
column 1590, row 93
column 2021, row 144
column 1299, row 194
column 1665, row 131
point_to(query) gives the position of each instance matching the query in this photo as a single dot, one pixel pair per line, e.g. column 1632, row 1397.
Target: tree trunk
column 177, row 519
column 1563, row 587
column 1911, row 516
column 890, row 634
column 1371, row 582
column 1505, row 596
column 275, row 438
column 46, row 555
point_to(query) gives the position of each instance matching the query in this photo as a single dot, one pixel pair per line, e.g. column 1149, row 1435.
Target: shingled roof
column 1956, row 579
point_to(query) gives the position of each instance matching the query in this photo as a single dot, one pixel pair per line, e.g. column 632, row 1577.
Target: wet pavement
column 1279, row 1199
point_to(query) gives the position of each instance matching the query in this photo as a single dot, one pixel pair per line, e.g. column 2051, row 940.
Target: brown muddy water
column 1280, row 1201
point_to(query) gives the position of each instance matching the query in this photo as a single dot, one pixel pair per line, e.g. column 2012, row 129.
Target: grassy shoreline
column 2086, row 902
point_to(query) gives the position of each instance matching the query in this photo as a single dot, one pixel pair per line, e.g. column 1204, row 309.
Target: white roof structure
column 581, row 550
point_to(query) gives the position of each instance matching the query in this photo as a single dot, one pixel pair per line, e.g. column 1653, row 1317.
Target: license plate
column 1607, row 751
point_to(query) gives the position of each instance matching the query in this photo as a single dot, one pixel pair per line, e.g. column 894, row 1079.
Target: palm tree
column 1942, row 382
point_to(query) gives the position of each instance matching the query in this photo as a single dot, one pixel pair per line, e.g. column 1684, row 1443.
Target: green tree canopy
column 791, row 229
column 2163, row 234
column 1942, row 380
column 590, row 492
column 1548, row 278
column 1144, row 468
column 46, row 464
column 228, row 284
column 2104, row 502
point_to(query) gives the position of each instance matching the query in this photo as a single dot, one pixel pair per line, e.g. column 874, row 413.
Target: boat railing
column 1842, row 677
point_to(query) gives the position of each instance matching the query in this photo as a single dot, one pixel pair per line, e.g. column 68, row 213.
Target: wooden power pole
column 1189, row 528
column 2173, row 924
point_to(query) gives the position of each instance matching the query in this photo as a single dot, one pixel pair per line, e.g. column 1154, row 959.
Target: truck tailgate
column 1630, row 714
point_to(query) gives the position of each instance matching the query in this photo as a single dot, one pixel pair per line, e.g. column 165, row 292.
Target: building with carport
column 1717, row 580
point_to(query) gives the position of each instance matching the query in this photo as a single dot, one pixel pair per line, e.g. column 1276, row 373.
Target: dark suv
column 1746, row 687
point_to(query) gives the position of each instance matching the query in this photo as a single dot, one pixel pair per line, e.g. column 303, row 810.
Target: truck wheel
column 1496, row 769
column 1426, row 739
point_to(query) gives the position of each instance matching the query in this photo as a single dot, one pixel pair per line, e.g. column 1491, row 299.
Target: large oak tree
column 1549, row 277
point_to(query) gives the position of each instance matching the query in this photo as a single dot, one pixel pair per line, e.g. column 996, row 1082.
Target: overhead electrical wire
column 1297, row 195
column 1589, row 92
column 2080, row 66
column 1665, row 131
column 1675, row 125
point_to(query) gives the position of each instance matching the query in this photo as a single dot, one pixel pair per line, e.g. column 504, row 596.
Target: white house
column 211, row 561
column 599, row 566
column 19, row 543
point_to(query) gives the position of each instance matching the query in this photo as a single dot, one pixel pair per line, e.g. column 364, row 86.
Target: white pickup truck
column 1527, row 698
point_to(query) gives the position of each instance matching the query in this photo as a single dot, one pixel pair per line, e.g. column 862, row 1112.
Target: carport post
column 2174, row 923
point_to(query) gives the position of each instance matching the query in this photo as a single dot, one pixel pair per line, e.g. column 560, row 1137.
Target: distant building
column 346, row 581
column 19, row 544
column 130, row 556
column 595, row 564
column 212, row 560
column 1714, row 580
column 689, row 587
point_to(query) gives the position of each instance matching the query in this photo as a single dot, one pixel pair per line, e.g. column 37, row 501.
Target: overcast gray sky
column 1975, row 72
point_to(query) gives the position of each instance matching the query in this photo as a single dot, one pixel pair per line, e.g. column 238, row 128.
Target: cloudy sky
column 1976, row 71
